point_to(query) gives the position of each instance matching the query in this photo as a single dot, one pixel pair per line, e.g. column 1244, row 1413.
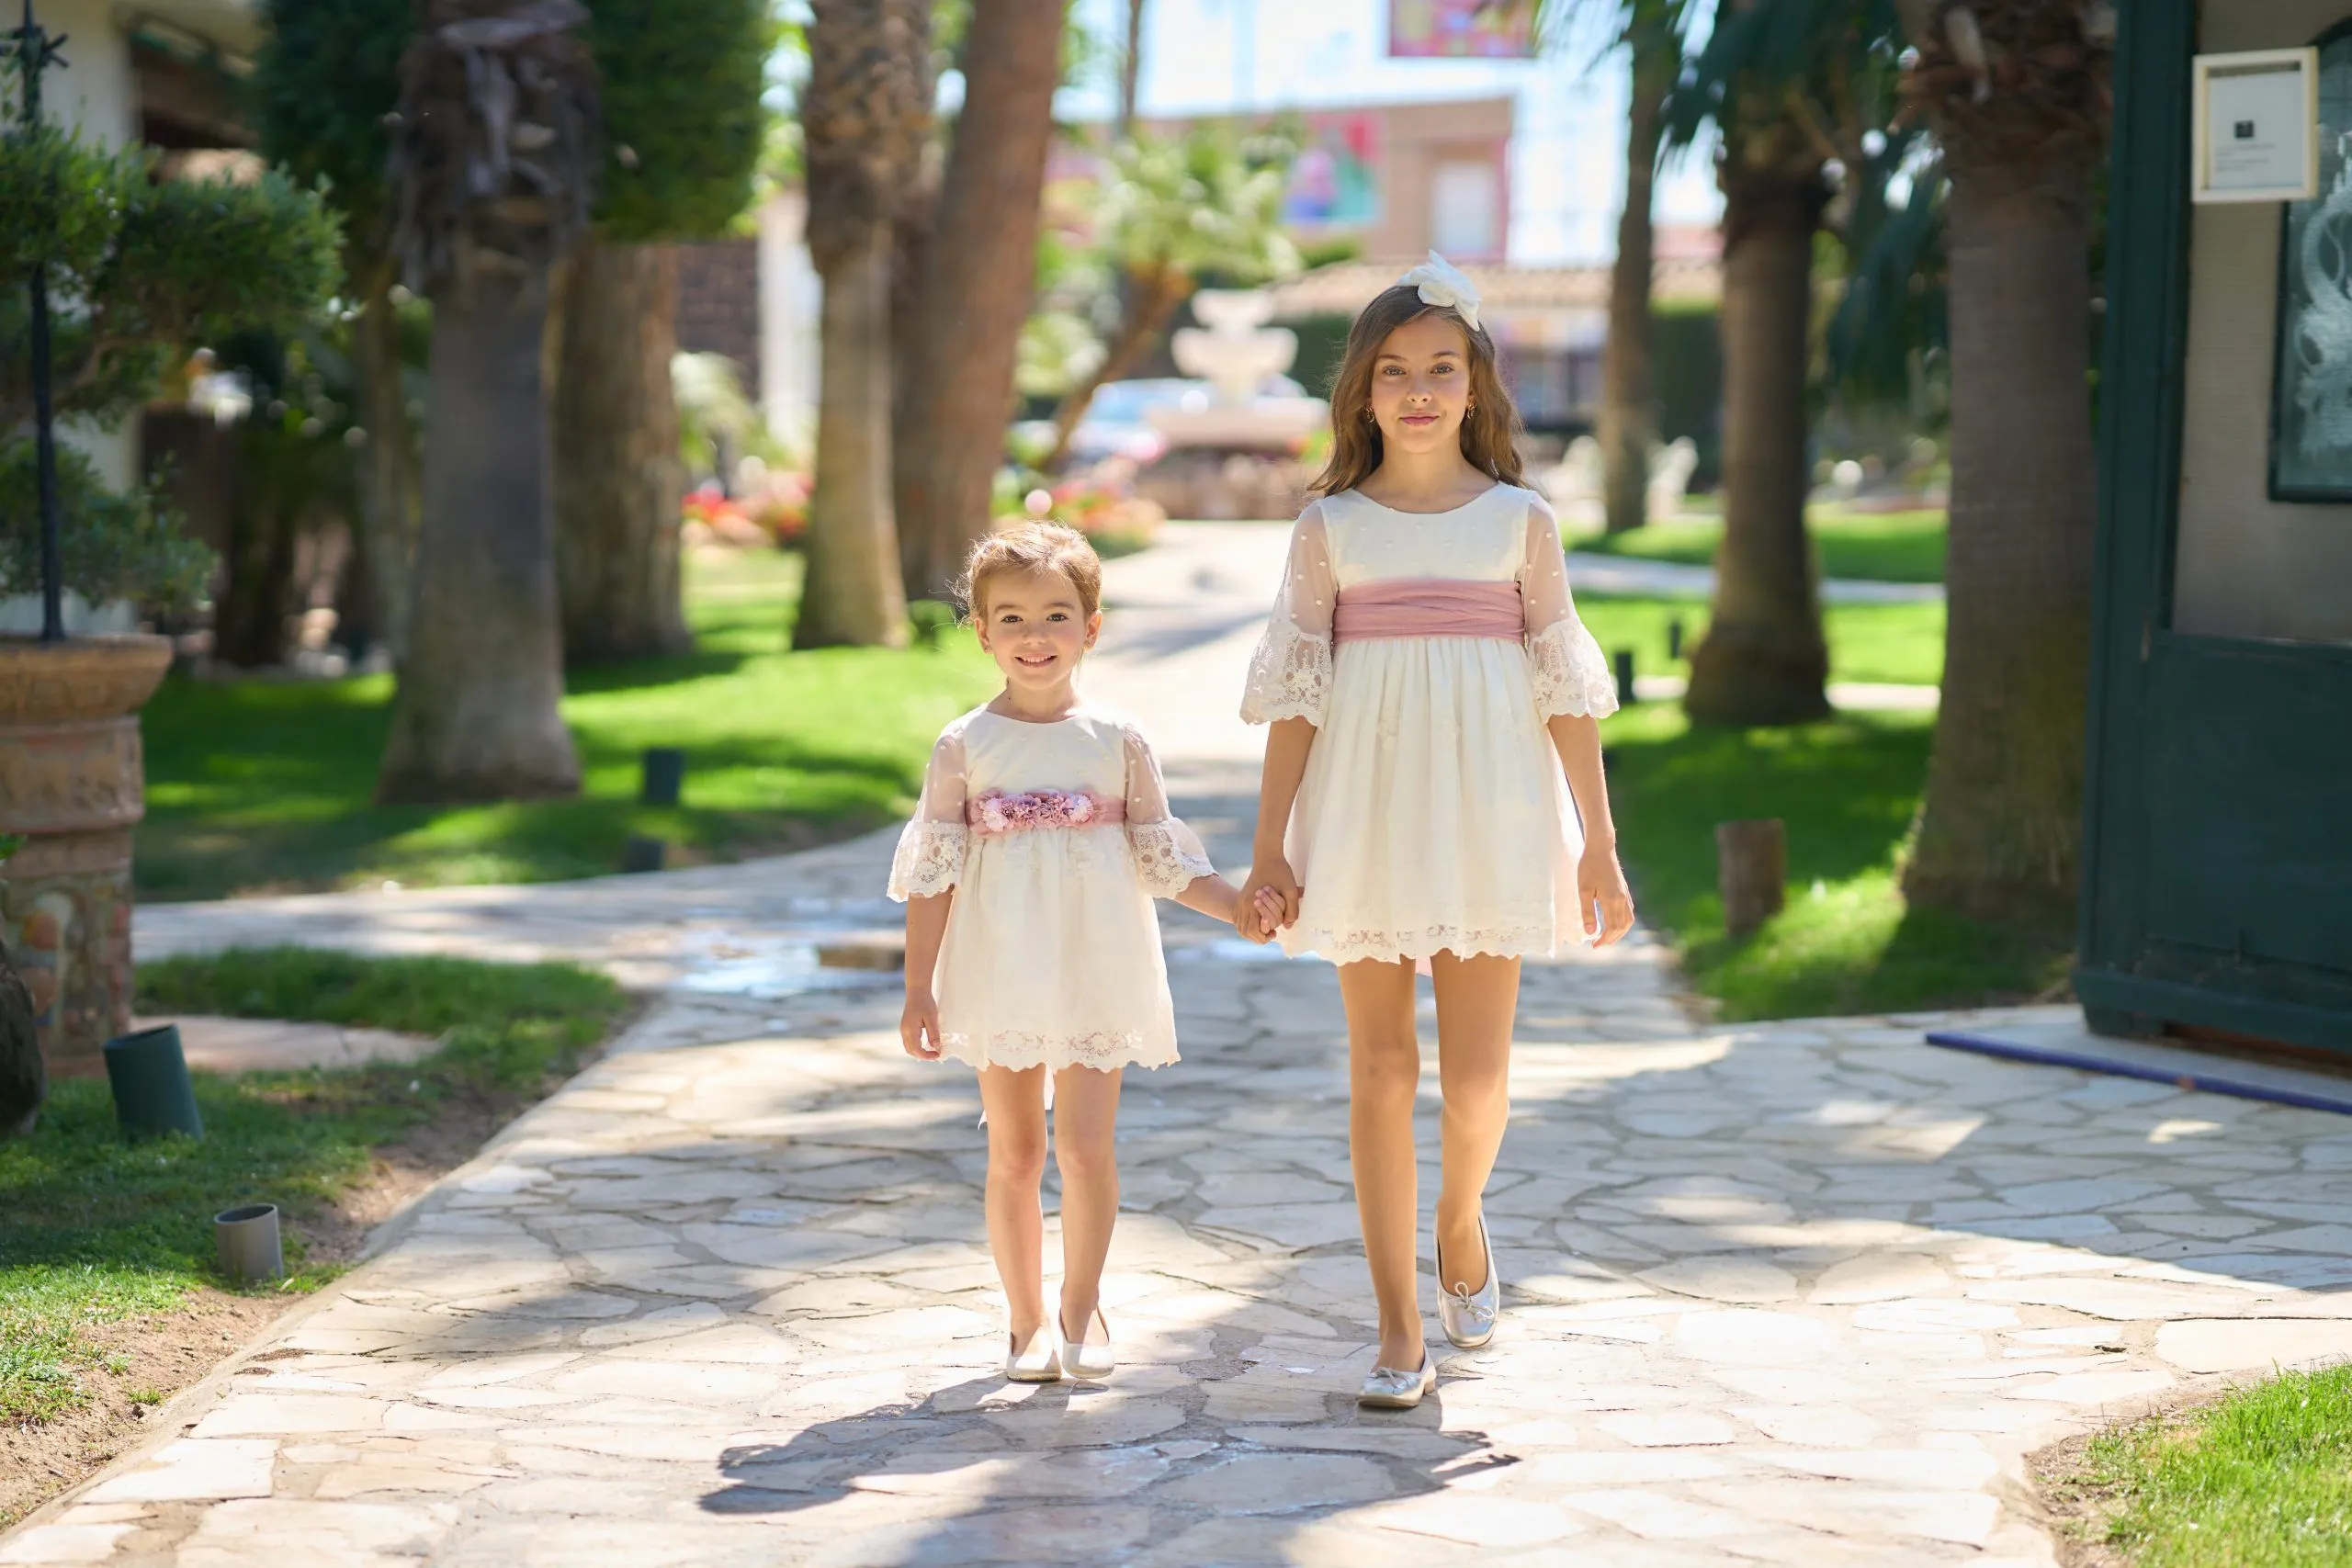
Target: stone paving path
column 1797, row 1294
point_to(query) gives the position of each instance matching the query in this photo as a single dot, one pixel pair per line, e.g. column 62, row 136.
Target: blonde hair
column 1032, row 546
column 1356, row 446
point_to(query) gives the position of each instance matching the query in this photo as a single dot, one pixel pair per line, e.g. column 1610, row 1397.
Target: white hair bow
column 1442, row 283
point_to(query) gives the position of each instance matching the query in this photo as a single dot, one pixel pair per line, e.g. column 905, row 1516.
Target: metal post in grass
column 248, row 1243
column 642, row 854
column 664, row 778
column 1674, row 637
column 1625, row 696
column 148, row 1072
column 36, row 53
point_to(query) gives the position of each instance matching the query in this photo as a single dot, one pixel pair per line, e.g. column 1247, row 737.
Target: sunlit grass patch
column 1883, row 546
column 95, row 1230
column 1848, row 790
column 2263, row 1476
column 260, row 786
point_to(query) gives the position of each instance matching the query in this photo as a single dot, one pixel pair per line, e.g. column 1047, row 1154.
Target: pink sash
column 999, row 811
column 1432, row 606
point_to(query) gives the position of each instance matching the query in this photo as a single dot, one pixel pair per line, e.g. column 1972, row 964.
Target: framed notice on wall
column 2256, row 136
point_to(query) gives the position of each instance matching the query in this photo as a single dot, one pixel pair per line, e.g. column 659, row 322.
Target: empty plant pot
column 148, row 1072
column 247, row 1240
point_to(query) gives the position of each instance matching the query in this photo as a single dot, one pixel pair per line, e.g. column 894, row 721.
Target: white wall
column 790, row 297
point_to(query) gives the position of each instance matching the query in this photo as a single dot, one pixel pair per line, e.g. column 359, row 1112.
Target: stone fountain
column 1235, row 352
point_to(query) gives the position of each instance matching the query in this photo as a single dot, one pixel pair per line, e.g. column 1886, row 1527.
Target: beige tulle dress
column 1433, row 816
column 1054, row 838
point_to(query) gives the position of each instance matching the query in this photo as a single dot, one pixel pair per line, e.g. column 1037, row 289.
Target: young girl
column 1032, row 948
column 1429, row 687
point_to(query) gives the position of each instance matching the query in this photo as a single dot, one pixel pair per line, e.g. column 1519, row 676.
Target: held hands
column 919, row 1025
column 1599, row 880
column 1268, row 901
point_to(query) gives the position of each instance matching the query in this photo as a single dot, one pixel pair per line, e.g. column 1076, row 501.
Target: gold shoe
column 1387, row 1388
column 1091, row 1357
column 1039, row 1361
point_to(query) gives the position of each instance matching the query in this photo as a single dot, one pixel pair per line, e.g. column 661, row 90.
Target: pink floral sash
column 999, row 811
column 1409, row 607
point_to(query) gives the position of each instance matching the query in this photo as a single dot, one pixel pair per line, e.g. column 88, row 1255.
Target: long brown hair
column 1356, row 444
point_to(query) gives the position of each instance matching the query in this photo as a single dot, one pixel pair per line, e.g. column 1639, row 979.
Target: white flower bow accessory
column 1442, row 283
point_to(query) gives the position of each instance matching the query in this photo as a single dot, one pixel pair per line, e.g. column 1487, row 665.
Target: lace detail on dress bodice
column 1569, row 672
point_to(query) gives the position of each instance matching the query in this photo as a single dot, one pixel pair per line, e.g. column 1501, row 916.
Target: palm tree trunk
column 1764, row 660
column 388, row 478
column 618, row 478
column 2000, row 829
column 1628, row 410
column 1131, row 71
column 852, row 594
column 477, row 717
column 1152, row 303
column 979, row 285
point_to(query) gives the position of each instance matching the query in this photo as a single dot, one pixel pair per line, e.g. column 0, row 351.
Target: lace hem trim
column 1290, row 675
column 1165, row 863
column 929, row 859
column 1569, row 672
column 1532, row 940
column 1102, row 1049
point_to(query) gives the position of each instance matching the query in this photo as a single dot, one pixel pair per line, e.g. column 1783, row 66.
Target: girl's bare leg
column 1086, row 1116
column 1015, row 1105
column 1384, row 1075
column 1478, row 1001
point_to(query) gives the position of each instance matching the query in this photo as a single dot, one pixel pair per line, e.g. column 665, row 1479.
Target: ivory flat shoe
column 1469, row 1315
column 1039, row 1361
column 1387, row 1388
column 1091, row 1357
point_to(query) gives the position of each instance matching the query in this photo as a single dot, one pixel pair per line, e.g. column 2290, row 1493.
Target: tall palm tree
column 2016, row 91
column 1793, row 88
column 492, row 171
column 977, row 284
column 865, row 117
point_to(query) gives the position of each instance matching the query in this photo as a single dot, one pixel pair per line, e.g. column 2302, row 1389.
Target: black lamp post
column 36, row 51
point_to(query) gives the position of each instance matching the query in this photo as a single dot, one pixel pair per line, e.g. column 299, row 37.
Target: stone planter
column 72, row 782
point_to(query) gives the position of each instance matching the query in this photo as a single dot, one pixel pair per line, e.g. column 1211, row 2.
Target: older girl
column 1433, row 701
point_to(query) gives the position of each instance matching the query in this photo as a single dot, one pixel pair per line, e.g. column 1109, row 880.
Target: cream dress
column 1433, row 816
column 1052, row 954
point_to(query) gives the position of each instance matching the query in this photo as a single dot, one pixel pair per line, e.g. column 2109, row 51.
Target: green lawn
column 94, row 1230
column 258, row 786
column 1848, row 790
column 1902, row 643
column 2263, row 1476
column 1883, row 546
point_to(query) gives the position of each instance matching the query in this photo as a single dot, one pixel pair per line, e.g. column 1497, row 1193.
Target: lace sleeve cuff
column 1290, row 676
column 1570, row 676
column 1168, row 857
column 929, row 860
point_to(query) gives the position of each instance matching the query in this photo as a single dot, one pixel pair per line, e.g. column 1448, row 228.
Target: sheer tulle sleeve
column 1168, row 855
column 929, row 860
column 1290, row 675
column 1563, row 662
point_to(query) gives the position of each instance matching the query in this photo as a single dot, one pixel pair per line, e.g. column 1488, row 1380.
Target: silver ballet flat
column 1089, row 1356
column 1469, row 1315
column 1387, row 1388
column 1040, row 1360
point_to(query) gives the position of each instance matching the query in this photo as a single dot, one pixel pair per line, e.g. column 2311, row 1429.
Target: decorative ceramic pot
column 72, row 782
